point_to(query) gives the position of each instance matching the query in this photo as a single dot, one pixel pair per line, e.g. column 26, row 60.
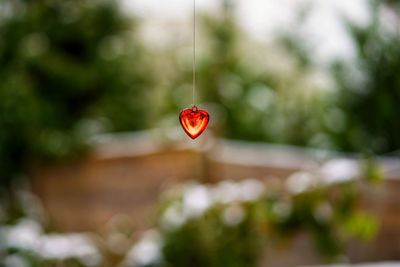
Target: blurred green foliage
column 237, row 232
column 213, row 243
column 231, row 224
column 71, row 69
column 369, row 90
column 68, row 69
column 262, row 93
column 258, row 100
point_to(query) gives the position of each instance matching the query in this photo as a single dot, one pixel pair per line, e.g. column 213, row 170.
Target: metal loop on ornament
column 194, row 108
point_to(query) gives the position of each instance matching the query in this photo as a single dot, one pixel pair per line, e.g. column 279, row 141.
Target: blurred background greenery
column 71, row 70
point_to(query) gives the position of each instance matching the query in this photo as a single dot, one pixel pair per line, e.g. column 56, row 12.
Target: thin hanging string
column 194, row 51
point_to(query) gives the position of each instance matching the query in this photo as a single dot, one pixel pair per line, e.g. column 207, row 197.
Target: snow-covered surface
column 332, row 166
column 262, row 154
column 146, row 251
column 198, row 198
column 28, row 235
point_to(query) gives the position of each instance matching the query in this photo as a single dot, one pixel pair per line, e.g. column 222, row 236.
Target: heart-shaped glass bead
column 194, row 121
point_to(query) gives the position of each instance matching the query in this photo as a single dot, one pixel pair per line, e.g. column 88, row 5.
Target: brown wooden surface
column 84, row 196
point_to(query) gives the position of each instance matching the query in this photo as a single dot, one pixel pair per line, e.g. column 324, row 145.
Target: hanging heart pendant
column 194, row 121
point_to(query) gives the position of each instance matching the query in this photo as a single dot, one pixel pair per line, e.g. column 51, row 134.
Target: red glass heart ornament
column 194, row 121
